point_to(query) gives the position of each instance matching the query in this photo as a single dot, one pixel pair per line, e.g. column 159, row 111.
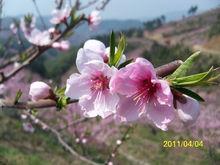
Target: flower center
column 100, row 83
column 145, row 91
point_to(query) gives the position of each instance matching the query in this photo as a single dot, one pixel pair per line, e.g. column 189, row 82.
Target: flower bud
column 14, row 28
column 118, row 142
column 62, row 45
column 189, row 111
column 28, row 127
column 94, row 19
column 84, row 140
column 40, row 90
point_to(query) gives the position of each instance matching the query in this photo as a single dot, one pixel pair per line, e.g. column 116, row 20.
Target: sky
column 116, row 9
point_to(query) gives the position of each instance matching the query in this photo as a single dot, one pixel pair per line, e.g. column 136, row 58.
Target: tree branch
column 30, row 104
column 60, row 139
column 118, row 145
column 40, row 50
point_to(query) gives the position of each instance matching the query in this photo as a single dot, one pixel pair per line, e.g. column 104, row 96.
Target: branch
column 90, row 3
column 48, row 103
column 168, row 69
column 161, row 72
column 39, row 51
column 103, row 5
column 60, row 139
column 75, row 122
column 118, row 145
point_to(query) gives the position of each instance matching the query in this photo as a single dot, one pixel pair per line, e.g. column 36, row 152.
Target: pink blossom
column 60, row 15
column 28, row 127
column 14, row 28
column 52, row 30
column 94, row 50
column 94, row 19
column 2, row 89
column 40, row 90
column 143, row 95
column 91, row 87
column 39, row 38
column 188, row 112
column 23, row 116
column 62, row 45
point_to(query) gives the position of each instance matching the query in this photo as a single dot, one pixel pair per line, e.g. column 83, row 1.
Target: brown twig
column 169, row 68
column 118, row 145
column 60, row 139
column 75, row 122
column 30, row 105
column 40, row 50
column 90, row 3
column 103, row 5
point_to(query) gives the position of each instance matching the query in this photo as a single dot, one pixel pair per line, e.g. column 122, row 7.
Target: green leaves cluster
column 115, row 56
column 179, row 79
column 62, row 100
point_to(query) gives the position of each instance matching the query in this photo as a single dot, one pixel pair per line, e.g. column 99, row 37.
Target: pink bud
column 65, row 45
column 84, row 140
column 14, row 28
column 56, row 45
column 110, row 163
column 118, row 142
column 52, row 30
column 40, row 90
column 94, row 19
column 2, row 89
column 28, row 127
column 23, row 116
column 62, row 45
column 189, row 111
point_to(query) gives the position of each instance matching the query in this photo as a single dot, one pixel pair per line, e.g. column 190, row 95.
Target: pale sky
column 116, row 9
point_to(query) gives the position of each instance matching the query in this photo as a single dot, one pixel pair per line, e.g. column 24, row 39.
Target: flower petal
column 188, row 112
column 84, row 57
column 99, row 104
column 161, row 115
column 128, row 110
column 94, row 46
column 77, row 86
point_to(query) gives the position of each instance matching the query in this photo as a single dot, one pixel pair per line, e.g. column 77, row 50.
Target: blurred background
column 160, row 31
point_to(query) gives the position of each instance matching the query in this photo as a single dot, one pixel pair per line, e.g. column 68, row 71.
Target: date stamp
column 183, row 144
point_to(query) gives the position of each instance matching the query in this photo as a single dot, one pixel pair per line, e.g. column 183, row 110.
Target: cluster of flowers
column 128, row 94
column 45, row 38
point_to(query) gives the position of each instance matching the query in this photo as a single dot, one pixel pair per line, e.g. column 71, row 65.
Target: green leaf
column 60, row 91
column 112, row 48
column 62, row 102
column 125, row 63
column 189, row 93
column 18, row 96
column 192, row 80
column 73, row 15
column 185, row 67
column 120, row 51
column 215, row 76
